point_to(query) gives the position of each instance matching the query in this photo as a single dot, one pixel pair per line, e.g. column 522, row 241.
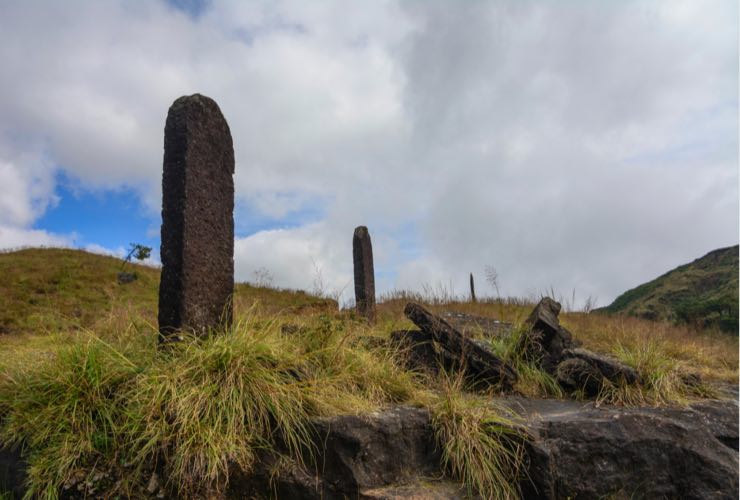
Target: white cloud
column 13, row 238
column 575, row 145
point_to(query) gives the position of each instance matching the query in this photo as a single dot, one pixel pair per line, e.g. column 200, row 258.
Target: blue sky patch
column 110, row 218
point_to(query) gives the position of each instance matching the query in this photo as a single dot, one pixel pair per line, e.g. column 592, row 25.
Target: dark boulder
column 584, row 370
column 545, row 339
column 577, row 374
column 720, row 417
column 574, row 451
column 376, row 450
column 352, row 454
column 612, row 369
column 581, row 451
column 481, row 365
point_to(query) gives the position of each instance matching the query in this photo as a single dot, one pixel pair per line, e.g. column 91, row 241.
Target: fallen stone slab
column 612, row 369
column 468, row 324
column 479, row 362
column 545, row 339
column 584, row 370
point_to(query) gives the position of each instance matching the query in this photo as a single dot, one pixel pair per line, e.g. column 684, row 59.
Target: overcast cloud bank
column 585, row 145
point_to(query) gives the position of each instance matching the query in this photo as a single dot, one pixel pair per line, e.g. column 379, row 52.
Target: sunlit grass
column 93, row 393
column 481, row 445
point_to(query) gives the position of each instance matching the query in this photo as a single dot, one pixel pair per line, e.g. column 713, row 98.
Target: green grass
column 89, row 395
column 480, row 445
column 195, row 408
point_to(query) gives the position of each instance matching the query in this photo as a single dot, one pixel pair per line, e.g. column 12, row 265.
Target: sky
column 572, row 146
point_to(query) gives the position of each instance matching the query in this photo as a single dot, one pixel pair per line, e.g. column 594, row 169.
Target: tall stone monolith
column 197, row 252
column 472, row 288
column 362, row 255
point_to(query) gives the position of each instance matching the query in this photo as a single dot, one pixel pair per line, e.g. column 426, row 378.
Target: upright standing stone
column 472, row 288
column 362, row 254
column 197, row 252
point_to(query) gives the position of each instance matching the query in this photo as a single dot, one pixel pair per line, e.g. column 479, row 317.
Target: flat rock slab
column 580, row 451
column 354, row 453
column 470, row 325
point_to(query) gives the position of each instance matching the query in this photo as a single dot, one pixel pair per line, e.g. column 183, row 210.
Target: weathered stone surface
column 546, row 339
column 362, row 256
column 612, row 369
column 472, row 288
column 577, row 374
column 197, row 250
column 481, row 365
column 470, row 325
column 586, row 452
column 576, row 451
column 720, row 417
column 376, row 450
column 353, row 454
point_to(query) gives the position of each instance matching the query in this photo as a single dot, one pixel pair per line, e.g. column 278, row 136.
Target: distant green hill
column 703, row 293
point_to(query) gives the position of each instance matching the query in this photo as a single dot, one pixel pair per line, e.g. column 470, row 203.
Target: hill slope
column 60, row 289
column 702, row 293
column 54, row 289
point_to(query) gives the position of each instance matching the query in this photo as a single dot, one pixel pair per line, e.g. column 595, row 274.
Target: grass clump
column 664, row 380
column 65, row 411
column 191, row 411
column 208, row 404
column 533, row 381
column 480, row 446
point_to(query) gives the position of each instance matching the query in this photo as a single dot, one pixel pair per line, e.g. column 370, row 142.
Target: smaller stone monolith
column 362, row 255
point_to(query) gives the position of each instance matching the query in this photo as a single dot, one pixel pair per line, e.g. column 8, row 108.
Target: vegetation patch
column 95, row 405
column 702, row 293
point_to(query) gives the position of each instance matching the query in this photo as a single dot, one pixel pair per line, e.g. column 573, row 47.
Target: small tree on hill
column 136, row 251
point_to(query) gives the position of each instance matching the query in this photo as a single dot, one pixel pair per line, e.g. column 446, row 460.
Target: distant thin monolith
column 197, row 252
column 362, row 254
column 472, row 288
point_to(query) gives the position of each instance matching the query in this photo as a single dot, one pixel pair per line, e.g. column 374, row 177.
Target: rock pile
column 438, row 344
column 551, row 346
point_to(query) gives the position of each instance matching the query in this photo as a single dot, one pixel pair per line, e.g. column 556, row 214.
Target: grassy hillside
column 56, row 290
column 62, row 289
column 703, row 293
column 87, row 393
